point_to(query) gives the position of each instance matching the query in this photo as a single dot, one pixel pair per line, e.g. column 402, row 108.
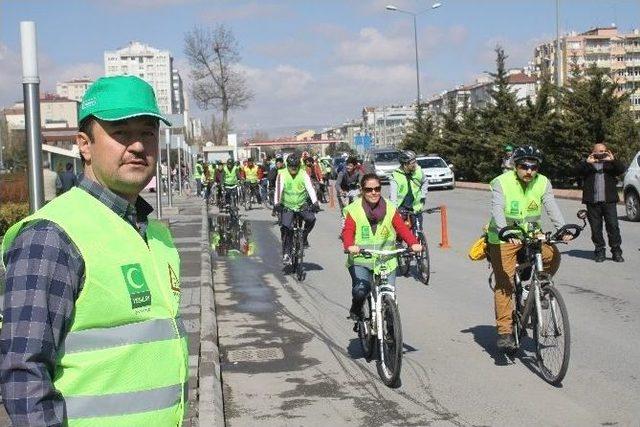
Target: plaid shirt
column 45, row 273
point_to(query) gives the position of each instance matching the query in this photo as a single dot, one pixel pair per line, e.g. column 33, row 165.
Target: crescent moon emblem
column 131, row 280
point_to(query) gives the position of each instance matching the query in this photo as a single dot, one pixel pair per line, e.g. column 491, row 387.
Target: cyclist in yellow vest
column 293, row 192
column 230, row 178
column 408, row 185
column 371, row 222
column 198, row 173
column 92, row 333
column 251, row 173
column 518, row 197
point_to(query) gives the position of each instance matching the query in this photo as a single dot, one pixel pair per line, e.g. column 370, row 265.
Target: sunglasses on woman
column 372, row 189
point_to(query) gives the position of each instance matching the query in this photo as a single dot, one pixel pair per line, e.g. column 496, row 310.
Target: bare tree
column 216, row 79
column 215, row 132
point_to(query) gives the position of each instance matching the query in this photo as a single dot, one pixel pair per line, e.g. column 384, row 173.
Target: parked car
column 631, row 189
column 437, row 171
column 384, row 162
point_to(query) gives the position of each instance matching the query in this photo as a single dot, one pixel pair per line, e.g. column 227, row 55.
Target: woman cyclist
column 371, row 222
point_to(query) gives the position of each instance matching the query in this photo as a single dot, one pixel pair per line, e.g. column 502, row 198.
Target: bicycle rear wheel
column 553, row 337
column 390, row 354
column 367, row 340
column 424, row 262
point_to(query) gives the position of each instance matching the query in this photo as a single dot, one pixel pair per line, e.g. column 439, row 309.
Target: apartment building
column 73, row 89
column 55, row 112
column 153, row 65
column 387, row 124
column 605, row 47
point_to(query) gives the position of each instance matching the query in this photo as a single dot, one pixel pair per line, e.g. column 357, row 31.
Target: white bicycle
column 379, row 328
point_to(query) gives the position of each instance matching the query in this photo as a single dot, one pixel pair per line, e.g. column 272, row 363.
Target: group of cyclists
column 372, row 221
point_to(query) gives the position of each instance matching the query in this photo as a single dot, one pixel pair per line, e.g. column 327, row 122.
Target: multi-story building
column 619, row 53
column 153, row 65
column 387, row 125
column 73, row 89
column 55, row 112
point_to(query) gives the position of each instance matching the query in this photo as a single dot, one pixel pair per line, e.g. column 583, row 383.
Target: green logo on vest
column 136, row 285
column 364, row 231
column 515, row 207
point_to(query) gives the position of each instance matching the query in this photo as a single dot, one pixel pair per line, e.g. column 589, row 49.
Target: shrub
column 10, row 213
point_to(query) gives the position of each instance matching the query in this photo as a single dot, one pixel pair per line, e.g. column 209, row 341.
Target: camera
column 600, row 156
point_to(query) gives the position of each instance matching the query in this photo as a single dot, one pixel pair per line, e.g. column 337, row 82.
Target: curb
column 210, row 403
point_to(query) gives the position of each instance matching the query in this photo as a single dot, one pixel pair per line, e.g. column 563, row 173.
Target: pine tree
column 422, row 133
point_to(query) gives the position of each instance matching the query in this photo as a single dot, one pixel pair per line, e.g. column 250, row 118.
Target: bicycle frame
column 380, row 288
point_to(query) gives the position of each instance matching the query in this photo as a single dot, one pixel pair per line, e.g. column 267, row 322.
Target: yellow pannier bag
column 478, row 250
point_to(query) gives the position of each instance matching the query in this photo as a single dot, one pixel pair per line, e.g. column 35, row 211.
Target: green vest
column 521, row 206
column 383, row 239
column 403, row 189
column 124, row 360
column 251, row 174
column 294, row 193
column 230, row 176
column 212, row 173
column 197, row 174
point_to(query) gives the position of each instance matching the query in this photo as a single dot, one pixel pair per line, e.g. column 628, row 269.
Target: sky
column 309, row 63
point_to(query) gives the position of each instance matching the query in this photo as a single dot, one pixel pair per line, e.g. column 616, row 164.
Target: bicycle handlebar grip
column 502, row 234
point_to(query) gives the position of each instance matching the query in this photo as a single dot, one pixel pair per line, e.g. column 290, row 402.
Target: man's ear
column 83, row 141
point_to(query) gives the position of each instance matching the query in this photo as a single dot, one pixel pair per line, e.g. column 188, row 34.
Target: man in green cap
column 92, row 334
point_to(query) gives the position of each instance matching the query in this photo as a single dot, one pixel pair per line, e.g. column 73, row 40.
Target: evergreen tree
column 422, row 133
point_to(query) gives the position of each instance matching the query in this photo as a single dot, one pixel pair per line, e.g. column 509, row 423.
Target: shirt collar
column 132, row 213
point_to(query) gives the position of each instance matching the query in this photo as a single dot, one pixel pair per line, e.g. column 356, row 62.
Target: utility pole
column 558, row 53
column 31, row 92
column 167, row 138
column 179, row 166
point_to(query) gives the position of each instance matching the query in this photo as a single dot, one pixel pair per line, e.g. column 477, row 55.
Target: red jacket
column 349, row 231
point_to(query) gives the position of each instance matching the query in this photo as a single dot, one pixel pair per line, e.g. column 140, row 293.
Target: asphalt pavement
column 289, row 355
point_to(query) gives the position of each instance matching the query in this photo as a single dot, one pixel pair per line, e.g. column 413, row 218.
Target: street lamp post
column 415, row 38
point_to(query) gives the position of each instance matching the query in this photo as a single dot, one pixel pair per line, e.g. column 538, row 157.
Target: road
column 289, row 356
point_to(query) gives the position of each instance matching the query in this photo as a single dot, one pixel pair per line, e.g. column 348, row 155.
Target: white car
column 385, row 162
column 631, row 188
column 437, row 171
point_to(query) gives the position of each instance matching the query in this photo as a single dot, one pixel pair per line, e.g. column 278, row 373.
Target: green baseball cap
column 119, row 98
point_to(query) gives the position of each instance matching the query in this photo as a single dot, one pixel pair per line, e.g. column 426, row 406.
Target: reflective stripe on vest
column 383, row 239
column 230, row 176
column 125, row 337
column 294, row 193
column 415, row 181
column 522, row 205
column 132, row 333
column 251, row 174
column 123, row 403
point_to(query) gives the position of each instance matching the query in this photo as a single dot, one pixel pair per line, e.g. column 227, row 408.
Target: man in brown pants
column 518, row 197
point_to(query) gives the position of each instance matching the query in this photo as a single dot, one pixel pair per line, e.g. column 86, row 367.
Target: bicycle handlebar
column 517, row 232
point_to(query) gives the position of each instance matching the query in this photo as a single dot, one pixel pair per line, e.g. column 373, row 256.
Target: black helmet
column 525, row 152
column 406, row 156
column 293, row 161
column 230, row 161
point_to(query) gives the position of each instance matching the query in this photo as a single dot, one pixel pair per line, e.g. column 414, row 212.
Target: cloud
column 519, row 52
column 139, row 4
column 11, row 76
column 372, row 45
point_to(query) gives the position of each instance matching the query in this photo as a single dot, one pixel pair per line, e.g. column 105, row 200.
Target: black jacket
column 587, row 172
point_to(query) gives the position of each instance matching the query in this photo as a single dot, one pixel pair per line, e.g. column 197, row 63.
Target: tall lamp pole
column 558, row 55
column 415, row 37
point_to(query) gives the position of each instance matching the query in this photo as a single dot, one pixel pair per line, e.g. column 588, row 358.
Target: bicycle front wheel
column 552, row 336
column 390, row 354
column 424, row 262
column 367, row 340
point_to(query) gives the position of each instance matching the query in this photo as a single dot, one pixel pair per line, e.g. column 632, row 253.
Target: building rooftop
column 521, row 78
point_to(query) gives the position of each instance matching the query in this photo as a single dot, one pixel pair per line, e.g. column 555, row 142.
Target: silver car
column 631, row 188
column 385, row 162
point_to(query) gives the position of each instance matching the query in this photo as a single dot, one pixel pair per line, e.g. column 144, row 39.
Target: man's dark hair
column 69, row 166
column 353, row 161
column 86, row 126
column 368, row 177
column 279, row 160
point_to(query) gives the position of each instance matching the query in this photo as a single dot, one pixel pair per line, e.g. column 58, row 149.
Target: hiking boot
column 506, row 343
column 599, row 256
column 617, row 255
